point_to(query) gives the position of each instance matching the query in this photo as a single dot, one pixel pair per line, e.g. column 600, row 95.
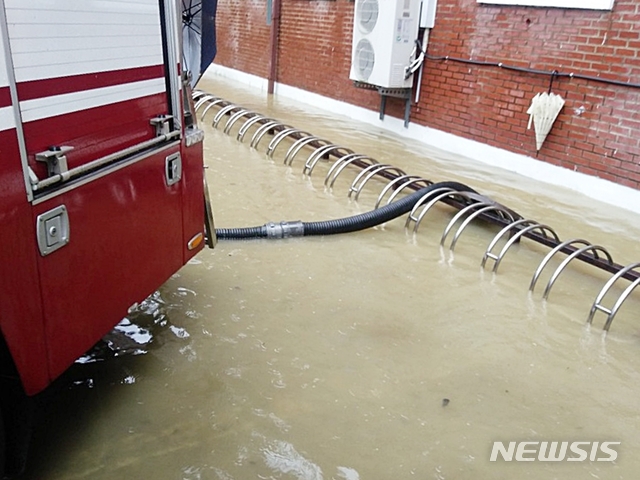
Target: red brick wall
column 598, row 132
column 243, row 36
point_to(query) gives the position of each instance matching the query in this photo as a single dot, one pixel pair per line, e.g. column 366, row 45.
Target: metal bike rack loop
column 481, row 208
column 263, row 130
column 515, row 238
column 403, row 180
column 611, row 313
column 237, row 116
column 321, row 152
column 275, row 141
column 203, row 99
column 299, row 145
column 249, row 123
column 411, row 183
column 364, row 177
column 551, row 254
column 342, row 163
column 443, row 193
column 211, row 104
column 222, row 112
column 565, row 262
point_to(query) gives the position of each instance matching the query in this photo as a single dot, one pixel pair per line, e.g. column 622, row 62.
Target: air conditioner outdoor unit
column 384, row 34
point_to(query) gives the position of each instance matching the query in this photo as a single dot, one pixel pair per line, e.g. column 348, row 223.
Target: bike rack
column 611, row 313
column 593, row 248
column 275, row 141
column 299, row 144
column 212, row 104
column 263, row 130
column 222, row 112
column 530, row 225
column 249, row 123
column 237, row 116
column 367, row 174
column 471, row 205
column 196, row 94
column 549, row 256
column 480, row 209
column 322, row 152
column 443, row 193
column 203, row 99
column 409, row 180
column 343, row 162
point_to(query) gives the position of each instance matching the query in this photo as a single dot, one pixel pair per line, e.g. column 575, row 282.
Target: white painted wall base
column 596, row 188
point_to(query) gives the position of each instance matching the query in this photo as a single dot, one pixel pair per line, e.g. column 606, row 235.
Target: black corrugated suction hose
column 341, row 225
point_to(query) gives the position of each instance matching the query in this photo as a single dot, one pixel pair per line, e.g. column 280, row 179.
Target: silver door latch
column 52, row 229
column 173, row 168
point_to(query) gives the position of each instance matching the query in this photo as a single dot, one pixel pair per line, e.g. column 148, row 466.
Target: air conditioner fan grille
column 367, row 15
column 365, row 59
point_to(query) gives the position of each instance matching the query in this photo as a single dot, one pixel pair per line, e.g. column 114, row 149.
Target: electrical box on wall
column 384, row 34
column 428, row 13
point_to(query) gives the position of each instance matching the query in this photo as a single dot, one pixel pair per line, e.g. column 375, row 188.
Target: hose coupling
column 285, row 229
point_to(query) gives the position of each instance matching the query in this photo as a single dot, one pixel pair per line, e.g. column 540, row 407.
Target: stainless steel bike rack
column 471, row 205
column 237, row 116
column 321, row 152
column 196, row 94
column 299, row 144
column 203, row 99
column 263, row 130
column 611, row 313
column 405, row 181
column 367, row 174
column 530, row 225
column 211, row 104
column 480, row 209
column 441, row 194
column 343, row 162
column 593, row 248
column 275, row 141
column 249, row 123
column 550, row 255
column 222, row 112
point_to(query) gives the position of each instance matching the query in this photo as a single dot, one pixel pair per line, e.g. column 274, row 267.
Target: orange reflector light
column 195, row 241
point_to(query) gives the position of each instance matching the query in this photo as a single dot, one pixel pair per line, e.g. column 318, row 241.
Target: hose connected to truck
column 354, row 223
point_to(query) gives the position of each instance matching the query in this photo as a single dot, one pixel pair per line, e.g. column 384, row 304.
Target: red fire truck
column 101, row 180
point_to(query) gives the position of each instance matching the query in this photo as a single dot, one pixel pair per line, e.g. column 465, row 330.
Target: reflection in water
column 282, row 457
column 375, row 355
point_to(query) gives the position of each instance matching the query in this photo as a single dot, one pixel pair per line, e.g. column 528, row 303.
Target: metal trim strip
column 4, row 32
column 102, row 173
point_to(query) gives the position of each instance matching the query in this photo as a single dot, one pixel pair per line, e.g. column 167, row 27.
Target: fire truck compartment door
column 91, row 76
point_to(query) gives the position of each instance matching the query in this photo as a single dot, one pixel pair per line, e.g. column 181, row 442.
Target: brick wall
column 243, row 36
column 598, row 132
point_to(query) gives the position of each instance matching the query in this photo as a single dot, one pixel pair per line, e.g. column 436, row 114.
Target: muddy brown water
column 375, row 355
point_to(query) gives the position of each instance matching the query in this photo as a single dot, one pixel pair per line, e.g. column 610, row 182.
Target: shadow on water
column 70, row 409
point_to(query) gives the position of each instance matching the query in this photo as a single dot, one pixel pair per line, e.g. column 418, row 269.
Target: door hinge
column 56, row 159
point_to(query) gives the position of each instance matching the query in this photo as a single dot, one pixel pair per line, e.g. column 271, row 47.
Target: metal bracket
column 55, row 158
column 403, row 93
column 162, row 124
column 52, row 230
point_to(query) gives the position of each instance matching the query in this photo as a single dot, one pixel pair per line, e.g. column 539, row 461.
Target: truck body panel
column 102, row 77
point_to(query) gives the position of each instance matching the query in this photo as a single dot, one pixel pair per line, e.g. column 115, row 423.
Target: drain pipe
column 275, row 30
column 425, row 43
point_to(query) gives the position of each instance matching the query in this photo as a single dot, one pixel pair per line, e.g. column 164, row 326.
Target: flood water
column 374, row 355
